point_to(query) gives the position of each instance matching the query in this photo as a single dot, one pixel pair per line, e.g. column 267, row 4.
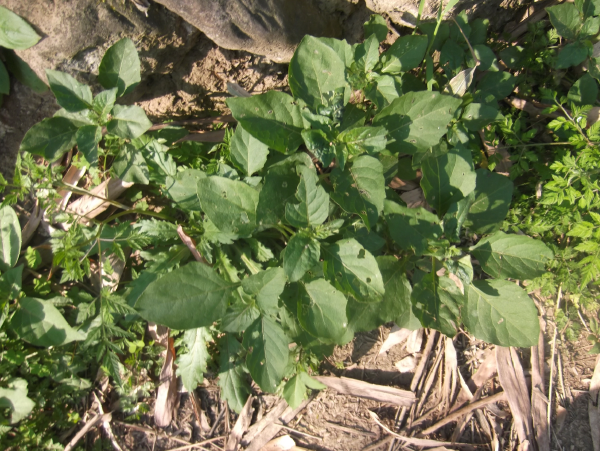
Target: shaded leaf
column 10, row 238
column 50, row 138
column 120, row 67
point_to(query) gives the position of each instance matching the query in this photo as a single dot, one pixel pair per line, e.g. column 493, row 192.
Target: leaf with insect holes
column 314, row 201
column 268, row 353
column 448, row 178
column 360, row 188
column 229, row 204
column 501, row 312
column 512, row 256
column 417, row 120
column 315, row 71
column 353, row 270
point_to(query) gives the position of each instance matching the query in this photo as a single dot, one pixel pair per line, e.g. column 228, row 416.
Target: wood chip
column 166, row 396
column 539, row 401
column 381, row 393
column 272, row 429
column 423, row 443
column 415, row 341
column 241, row 426
column 450, row 370
column 464, row 411
column 395, row 337
column 594, row 406
column 510, row 373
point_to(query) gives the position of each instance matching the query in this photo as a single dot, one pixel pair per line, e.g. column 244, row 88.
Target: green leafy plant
column 271, row 248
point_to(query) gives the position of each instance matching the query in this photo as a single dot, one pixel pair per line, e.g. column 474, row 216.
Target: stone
column 271, row 28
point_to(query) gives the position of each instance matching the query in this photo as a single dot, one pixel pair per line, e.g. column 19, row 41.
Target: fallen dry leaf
column 414, row 198
column 241, row 426
column 395, row 337
column 407, row 364
column 415, row 341
column 512, row 379
column 381, row 393
column 283, row 443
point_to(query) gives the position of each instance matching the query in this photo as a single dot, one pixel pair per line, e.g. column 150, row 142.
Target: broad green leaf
column 360, row 188
column 248, row 154
column 232, row 379
column 479, row 28
column 268, row 353
column 182, row 189
column 572, row 55
column 353, row 270
column 417, row 120
column 477, row 115
column 294, row 391
column 239, row 316
column 161, row 163
column 15, row 33
column 11, row 281
column 191, row 366
column 590, row 28
column 452, row 57
column 51, row 138
column 78, row 119
column 584, row 91
column 486, row 56
column 512, row 256
column 273, row 118
column 70, row 94
column 494, row 86
column 130, row 165
column 513, row 56
column 383, row 90
column 314, row 201
column 448, row 178
column 301, row 254
column 405, row 54
column 364, row 139
column 565, row 18
column 162, row 260
column 493, row 194
column 120, row 67
column 10, row 238
column 15, row 396
column 200, row 299
column 315, row 72
column 278, row 190
column 456, row 216
column 435, row 302
column 411, row 228
column 128, row 122
column 395, row 306
column 376, row 25
column 40, row 323
column 4, row 79
column 366, row 55
column 87, row 138
column 501, row 312
column 588, row 8
column 229, row 204
column 322, row 310
column 22, row 72
column 104, row 102
column 266, row 286
column 341, row 47
column 320, row 145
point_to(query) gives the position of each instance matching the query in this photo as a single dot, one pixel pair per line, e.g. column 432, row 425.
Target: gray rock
column 266, row 27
